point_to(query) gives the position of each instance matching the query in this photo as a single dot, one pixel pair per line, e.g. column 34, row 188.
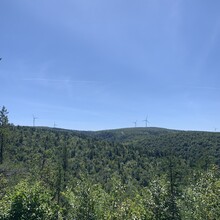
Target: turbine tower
column 146, row 121
column 34, row 118
column 54, row 125
column 135, row 123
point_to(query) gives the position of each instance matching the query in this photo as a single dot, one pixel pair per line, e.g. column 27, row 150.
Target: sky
column 94, row 65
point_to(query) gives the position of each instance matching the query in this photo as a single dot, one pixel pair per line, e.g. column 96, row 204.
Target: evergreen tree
column 3, row 131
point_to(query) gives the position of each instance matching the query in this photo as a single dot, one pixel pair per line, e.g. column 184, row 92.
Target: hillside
column 110, row 151
column 128, row 134
column 134, row 158
column 117, row 146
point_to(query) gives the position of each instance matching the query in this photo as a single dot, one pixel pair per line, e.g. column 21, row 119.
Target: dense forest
column 132, row 173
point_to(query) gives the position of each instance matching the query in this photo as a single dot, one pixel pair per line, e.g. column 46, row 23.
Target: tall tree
column 3, row 130
column 173, row 188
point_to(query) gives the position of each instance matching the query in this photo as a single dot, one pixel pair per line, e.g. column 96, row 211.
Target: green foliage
column 81, row 201
column 87, row 201
column 201, row 198
column 158, row 198
column 29, row 202
column 3, row 185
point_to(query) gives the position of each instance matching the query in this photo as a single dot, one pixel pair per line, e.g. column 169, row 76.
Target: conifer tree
column 3, row 131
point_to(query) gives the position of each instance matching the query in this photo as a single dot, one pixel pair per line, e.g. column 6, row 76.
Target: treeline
column 150, row 174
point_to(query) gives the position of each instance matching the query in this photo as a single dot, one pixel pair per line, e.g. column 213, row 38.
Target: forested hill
column 128, row 134
column 147, row 170
column 119, row 135
column 91, row 153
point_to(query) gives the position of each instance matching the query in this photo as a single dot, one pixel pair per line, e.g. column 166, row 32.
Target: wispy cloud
column 205, row 87
column 53, row 109
column 209, row 46
column 71, row 87
column 197, row 87
column 47, row 80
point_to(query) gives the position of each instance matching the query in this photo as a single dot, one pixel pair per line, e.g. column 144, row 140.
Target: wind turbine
column 54, row 125
column 34, row 118
column 135, row 123
column 146, row 121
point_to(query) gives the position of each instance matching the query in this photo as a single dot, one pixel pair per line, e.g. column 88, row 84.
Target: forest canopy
column 136, row 173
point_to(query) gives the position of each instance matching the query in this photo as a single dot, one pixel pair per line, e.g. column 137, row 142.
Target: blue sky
column 93, row 65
